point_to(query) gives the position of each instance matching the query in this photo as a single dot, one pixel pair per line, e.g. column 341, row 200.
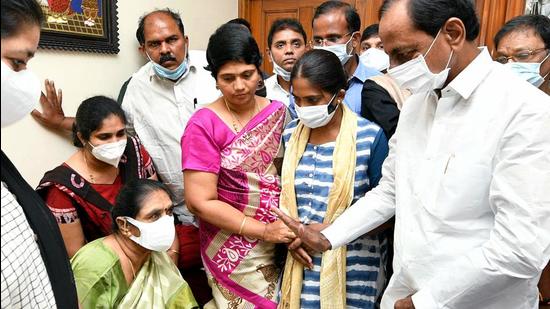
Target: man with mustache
column 158, row 100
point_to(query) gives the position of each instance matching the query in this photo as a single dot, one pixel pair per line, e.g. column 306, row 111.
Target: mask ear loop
column 433, row 42
column 331, row 107
column 546, row 58
column 350, row 38
column 124, row 228
column 449, row 61
column 149, row 57
column 543, row 60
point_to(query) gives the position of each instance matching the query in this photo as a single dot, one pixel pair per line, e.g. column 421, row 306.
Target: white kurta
column 468, row 179
column 158, row 110
column 275, row 91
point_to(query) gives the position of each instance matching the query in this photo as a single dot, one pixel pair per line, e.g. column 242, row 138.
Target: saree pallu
column 242, row 271
column 101, row 283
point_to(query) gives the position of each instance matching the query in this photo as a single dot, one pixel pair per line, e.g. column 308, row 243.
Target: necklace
column 92, row 179
column 124, row 252
column 234, row 116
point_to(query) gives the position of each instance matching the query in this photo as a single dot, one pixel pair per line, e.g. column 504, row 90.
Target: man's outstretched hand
column 308, row 236
column 52, row 115
column 405, row 303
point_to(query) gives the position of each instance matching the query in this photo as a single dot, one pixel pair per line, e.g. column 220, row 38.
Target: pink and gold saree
column 242, row 271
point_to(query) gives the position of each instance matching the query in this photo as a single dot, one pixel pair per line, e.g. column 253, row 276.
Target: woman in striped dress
column 332, row 158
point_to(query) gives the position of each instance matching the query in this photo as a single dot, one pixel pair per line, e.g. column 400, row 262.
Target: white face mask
column 109, row 153
column 415, row 75
column 530, row 71
column 375, row 58
column 20, row 94
column 278, row 70
column 316, row 116
column 340, row 50
column 157, row 236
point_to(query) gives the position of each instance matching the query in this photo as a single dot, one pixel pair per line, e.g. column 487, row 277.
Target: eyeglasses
column 331, row 40
column 521, row 56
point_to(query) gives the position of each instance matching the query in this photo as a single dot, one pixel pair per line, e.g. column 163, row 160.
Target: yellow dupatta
column 333, row 263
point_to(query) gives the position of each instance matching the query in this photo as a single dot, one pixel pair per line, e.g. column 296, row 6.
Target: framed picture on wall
column 537, row 7
column 80, row 25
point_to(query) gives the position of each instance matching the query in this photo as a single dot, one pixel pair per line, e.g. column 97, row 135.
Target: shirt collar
column 277, row 85
column 361, row 71
column 469, row 79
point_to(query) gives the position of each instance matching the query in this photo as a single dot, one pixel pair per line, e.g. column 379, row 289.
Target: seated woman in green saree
column 130, row 268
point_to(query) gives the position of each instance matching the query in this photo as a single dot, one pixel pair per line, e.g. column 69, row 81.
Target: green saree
column 100, row 281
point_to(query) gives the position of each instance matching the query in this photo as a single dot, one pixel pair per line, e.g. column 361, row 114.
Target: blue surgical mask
column 174, row 74
column 529, row 71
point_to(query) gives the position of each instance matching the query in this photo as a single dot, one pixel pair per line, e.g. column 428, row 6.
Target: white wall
column 32, row 148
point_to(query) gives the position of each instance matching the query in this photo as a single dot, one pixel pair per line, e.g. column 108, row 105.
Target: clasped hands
column 308, row 241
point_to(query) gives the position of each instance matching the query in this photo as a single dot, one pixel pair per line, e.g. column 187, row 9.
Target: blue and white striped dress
column 313, row 180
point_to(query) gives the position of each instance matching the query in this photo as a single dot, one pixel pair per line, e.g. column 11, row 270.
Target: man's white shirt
column 275, row 91
column 468, row 179
column 158, row 110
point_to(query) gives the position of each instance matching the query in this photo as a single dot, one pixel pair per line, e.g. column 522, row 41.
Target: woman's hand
column 309, row 236
column 52, row 115
column 277, row 232
column 300, row 255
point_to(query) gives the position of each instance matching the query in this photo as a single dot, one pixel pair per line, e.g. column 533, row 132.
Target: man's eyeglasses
column 521, row 56
column 331, row 40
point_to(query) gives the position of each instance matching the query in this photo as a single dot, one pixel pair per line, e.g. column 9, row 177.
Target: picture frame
column 80, row 25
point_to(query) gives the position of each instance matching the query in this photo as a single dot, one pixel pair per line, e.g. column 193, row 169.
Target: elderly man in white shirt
column 468, row 172
column 162, row 95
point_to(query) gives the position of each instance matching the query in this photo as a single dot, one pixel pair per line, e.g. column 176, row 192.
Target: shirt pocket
column 463, row 192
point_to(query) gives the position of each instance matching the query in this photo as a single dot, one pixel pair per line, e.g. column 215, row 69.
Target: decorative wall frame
column 80, row 25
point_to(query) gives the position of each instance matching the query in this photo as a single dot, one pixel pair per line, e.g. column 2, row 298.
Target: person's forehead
column 525, row 38
column 286, row 34
column 332, row 22
column 22, row 44
column 160, row 24
column 372, row 40
column 302, row 87
column 235, row 67
column 156, row 200
column 396, row 29
column 110, row 122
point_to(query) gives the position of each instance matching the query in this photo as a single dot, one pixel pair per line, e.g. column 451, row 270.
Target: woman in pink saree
column 229, row 150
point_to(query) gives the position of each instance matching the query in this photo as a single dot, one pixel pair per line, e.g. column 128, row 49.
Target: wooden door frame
column 492, row 15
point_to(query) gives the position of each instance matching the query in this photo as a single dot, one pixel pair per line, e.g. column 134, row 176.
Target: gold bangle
column 172, row 250
column 242, row 226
